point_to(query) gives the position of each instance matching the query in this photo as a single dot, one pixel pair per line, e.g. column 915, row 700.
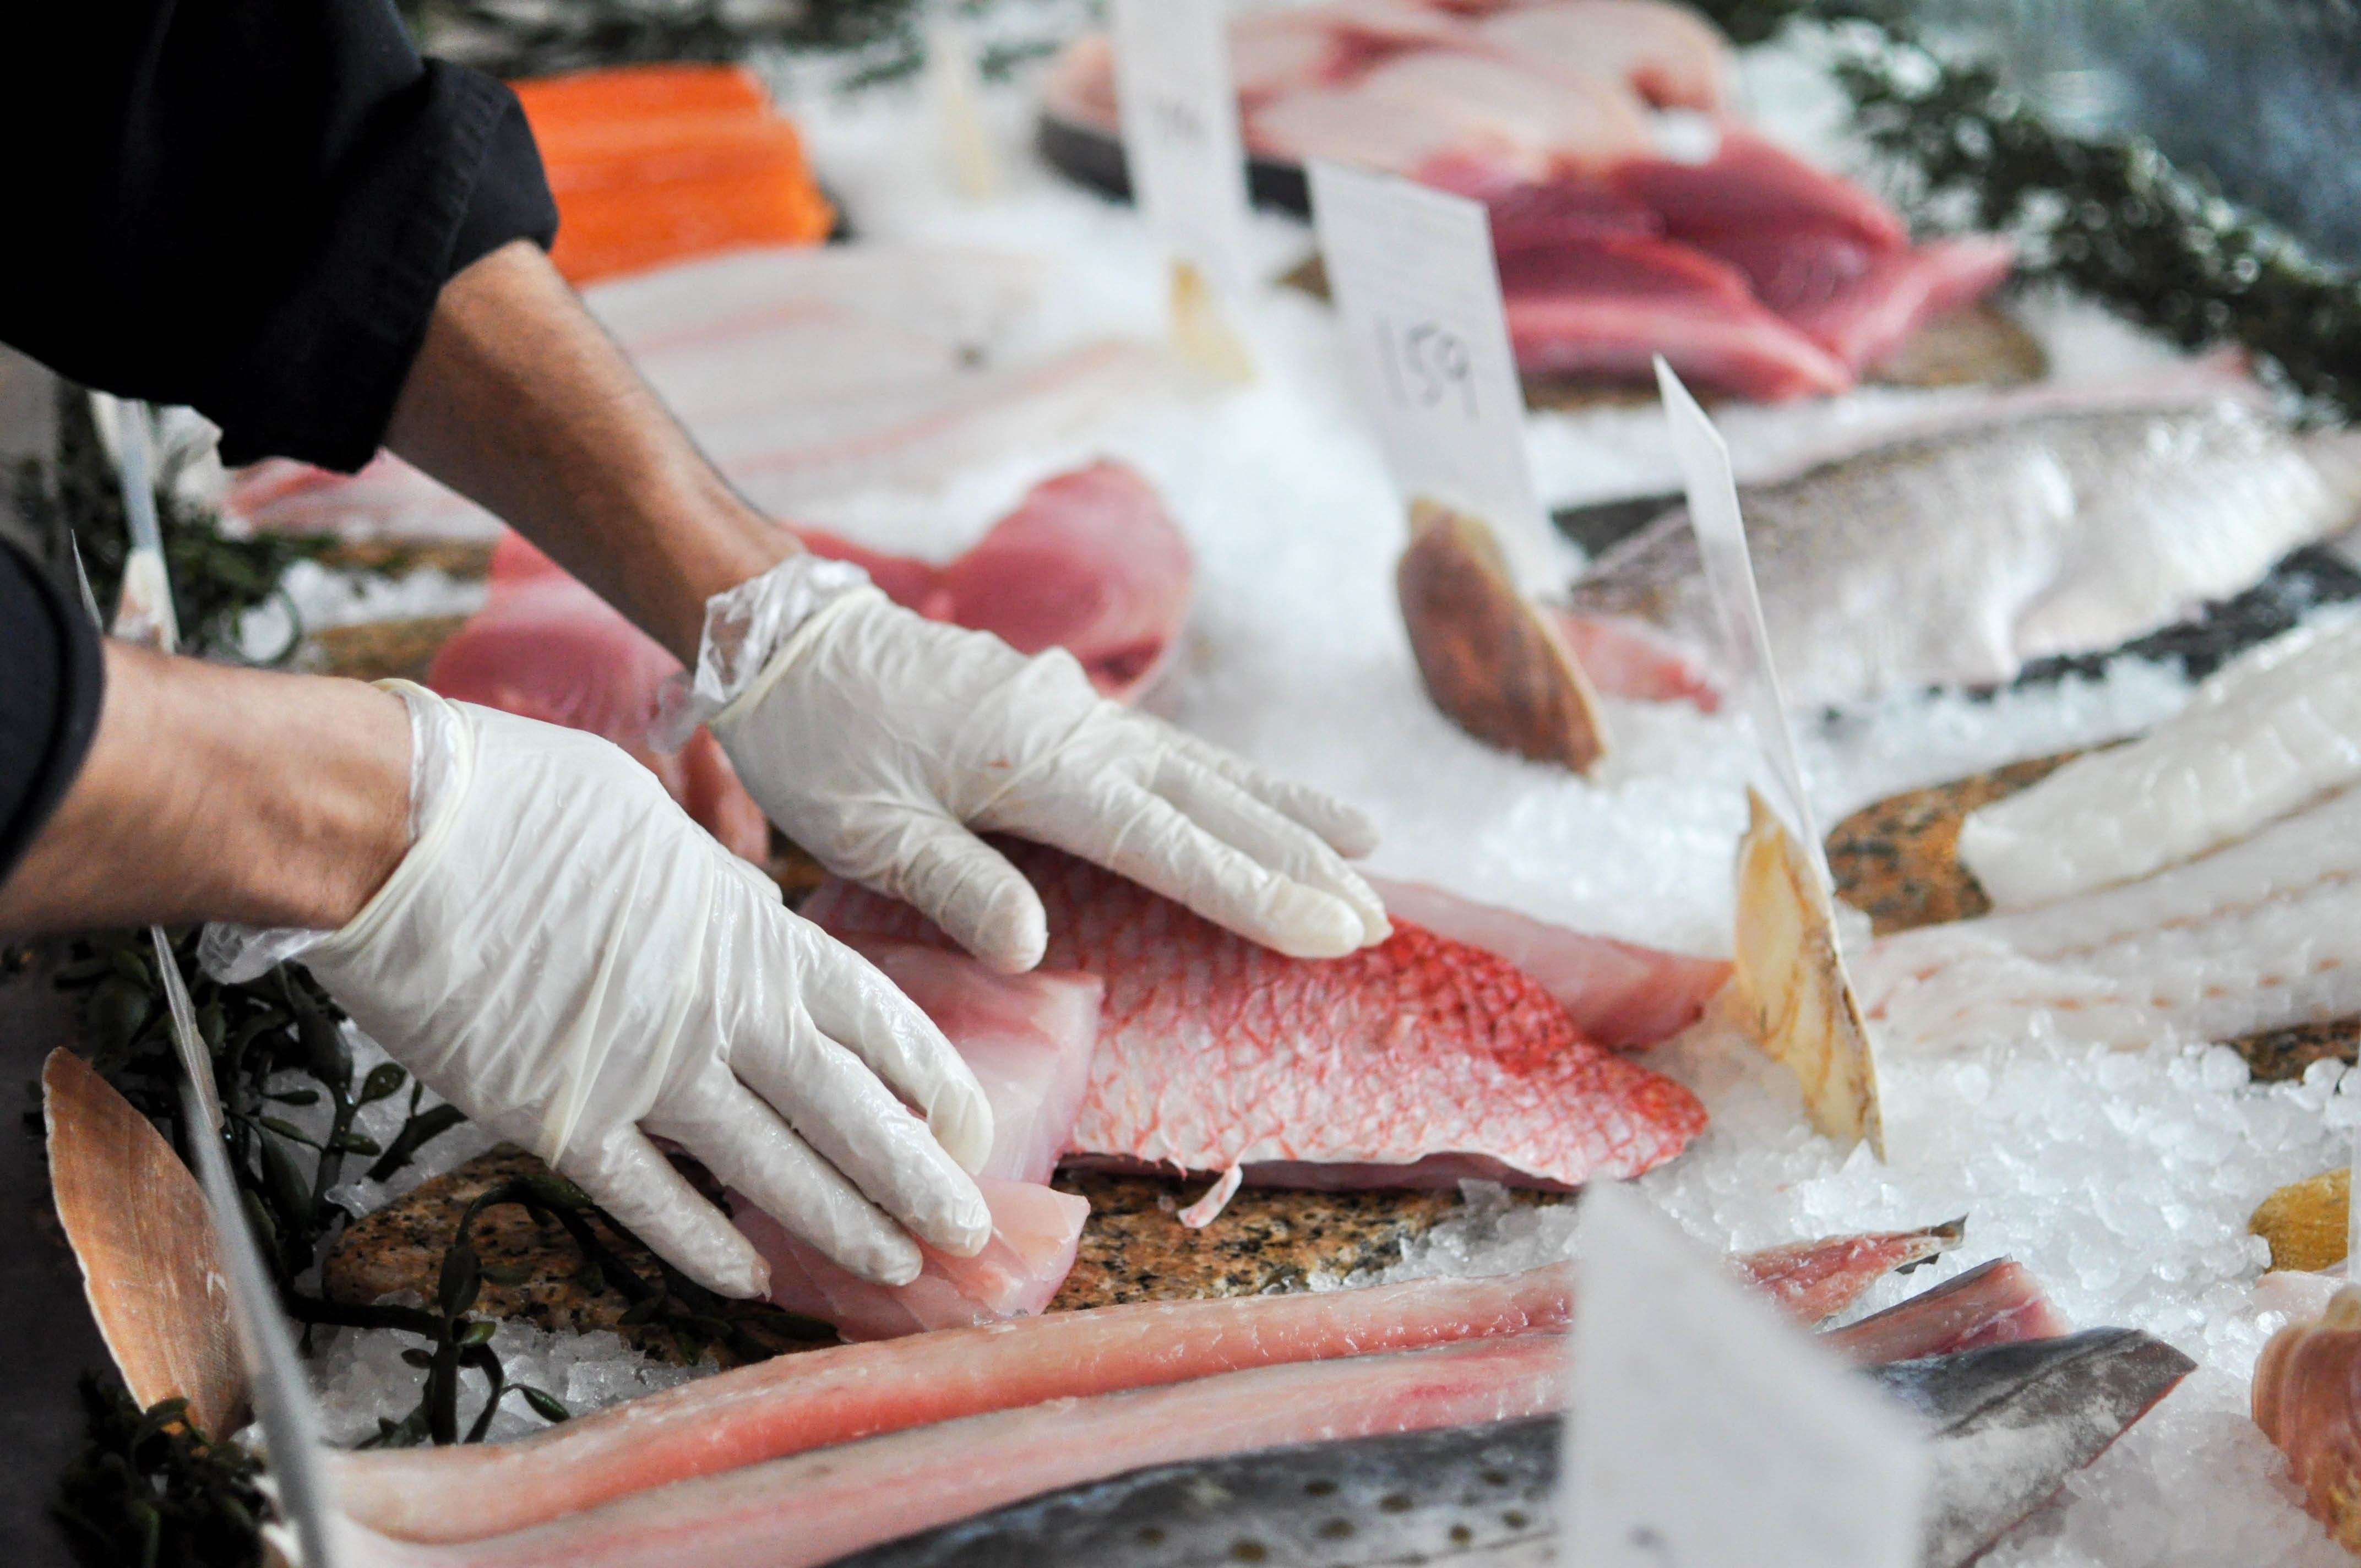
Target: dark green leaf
column 384, row 1080
column 295, row 1097
column 421, row 1359
column 508, row 1274
column 641, row 1312
column 421, row 1127
column 457, row 1289
column 479, row 1330
column 544, row 1404
column 351, row 1142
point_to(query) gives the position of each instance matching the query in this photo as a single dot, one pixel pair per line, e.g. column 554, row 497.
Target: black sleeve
column 50, row 683
column 248, row 207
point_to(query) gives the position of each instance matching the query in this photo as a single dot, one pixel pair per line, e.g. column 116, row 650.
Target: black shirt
column 244, row 205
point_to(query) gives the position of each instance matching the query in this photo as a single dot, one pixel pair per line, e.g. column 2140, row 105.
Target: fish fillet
column 2270, row 732
column 800, row 1403
column 1035, row 1232
column 1413, row 1063
column 813, row 1507
column 2259, row 935
column 1668, row 54
column 1618, row 993
column 1996, row 1303
column 1957, row 557
column 2005, row 1430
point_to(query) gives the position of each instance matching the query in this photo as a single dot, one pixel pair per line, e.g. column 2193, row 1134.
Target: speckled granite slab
column 1133, row 1249
column 1897, row 862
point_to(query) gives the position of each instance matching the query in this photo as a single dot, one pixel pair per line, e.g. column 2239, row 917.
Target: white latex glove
column 567, row 958
column 883, row 742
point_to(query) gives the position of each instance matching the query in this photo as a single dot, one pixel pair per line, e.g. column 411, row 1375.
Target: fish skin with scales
column 2007, row 1425
column 1955, row 558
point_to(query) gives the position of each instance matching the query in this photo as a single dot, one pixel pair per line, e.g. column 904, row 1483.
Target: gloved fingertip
column 1350, row 831
column 1305, row 923
column 1011, row 931
column 970, row 1230
column 895, row 1265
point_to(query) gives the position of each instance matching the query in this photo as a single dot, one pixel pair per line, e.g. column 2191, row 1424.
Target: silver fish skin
column 1956, row 558
column 2008, row 1425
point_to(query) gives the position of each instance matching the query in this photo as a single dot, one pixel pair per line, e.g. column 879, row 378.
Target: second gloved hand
column 567, row 958
column 883, row 742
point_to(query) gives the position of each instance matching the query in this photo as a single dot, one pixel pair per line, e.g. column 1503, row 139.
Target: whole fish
column 2007, row 1424
column 1956, row 558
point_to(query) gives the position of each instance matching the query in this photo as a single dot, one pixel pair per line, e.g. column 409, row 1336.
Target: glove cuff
column 746, row 629
column 234, row 954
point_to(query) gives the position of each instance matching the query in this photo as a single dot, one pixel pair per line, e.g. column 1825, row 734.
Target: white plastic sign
column 1705, row 1431
column 1730, row 576
column 1418, row 298
column 1181, row 128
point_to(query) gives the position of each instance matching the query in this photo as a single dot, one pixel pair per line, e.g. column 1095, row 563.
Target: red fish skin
column 1214, row 1052
column 1625, row 656
column 814, row 1507
column 799, row 1402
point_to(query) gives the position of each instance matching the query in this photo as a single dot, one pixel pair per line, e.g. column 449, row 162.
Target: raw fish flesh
column 2307, row 1400
column 814, row 1507
column 1993, row 1303
column 2008, row 1427
column 1618, row 993
column 1028, row 1038
column 1413, row 1063
column 799, row 1402
column 1956, row 558
column 803, row 374
column 1035, row 1231
column 2262, row 934
column 1668, row 54
column 546, row 647
column 2269, row 733
column 1089, row 562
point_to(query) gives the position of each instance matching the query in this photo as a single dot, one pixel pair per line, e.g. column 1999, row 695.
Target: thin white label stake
column 1181, row 136
column 1703, row 1431
column 1418, row 299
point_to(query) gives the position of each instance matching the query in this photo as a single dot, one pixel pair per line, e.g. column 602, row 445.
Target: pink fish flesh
column 1028, row 1038
column 547, row 648
column 1035, row 1231
column 814, row 1507
column 1413, row 1063
column 1089, row 562
column 796, row 1403
column 1996, row 1303
column 1618, row 993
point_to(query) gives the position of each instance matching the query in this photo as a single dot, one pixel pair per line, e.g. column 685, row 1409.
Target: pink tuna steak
column 1413, row 1063
column 796, row 1403
column 1089, row 561
column 1034, row 1233
column 545, row 647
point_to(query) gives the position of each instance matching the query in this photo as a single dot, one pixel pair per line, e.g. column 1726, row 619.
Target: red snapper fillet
column 796, row 1403
column 1413, row 1063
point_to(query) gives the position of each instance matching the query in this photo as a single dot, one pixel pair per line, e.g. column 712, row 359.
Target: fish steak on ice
column 1417, row 1062
column 2007, row 1427
column 1956, row 558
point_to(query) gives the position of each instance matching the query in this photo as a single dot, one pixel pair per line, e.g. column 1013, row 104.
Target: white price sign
column 1411, row 269
column 1703, row 1431
column 1181, row 128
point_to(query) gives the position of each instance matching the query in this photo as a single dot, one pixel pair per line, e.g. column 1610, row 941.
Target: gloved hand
column 567, row 958
column 883, row 742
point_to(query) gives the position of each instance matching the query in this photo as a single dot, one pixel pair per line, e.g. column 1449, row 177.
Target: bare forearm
column 215, row 793
column 520, row 402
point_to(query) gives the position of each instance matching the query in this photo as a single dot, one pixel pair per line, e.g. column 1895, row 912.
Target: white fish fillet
column 2268, row 734
column 2263, row 934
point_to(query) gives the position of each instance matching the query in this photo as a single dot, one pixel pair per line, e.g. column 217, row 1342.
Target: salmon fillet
column 1413, row 1063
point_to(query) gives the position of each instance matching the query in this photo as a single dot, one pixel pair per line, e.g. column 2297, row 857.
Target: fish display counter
column 2061, row 589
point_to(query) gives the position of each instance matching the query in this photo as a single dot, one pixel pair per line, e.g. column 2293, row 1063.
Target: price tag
column 1181, row 129
column 1419, row 300
column 1705, row 1431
